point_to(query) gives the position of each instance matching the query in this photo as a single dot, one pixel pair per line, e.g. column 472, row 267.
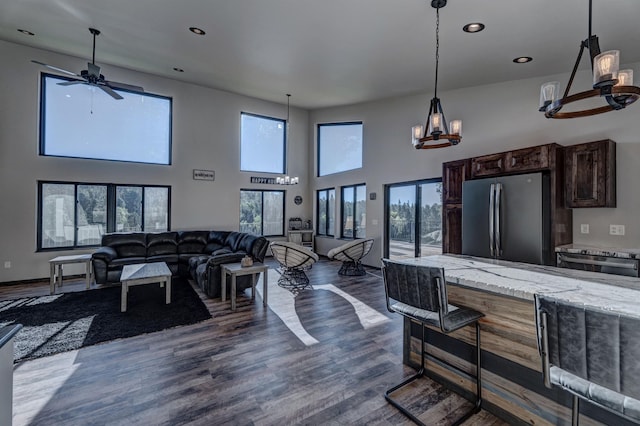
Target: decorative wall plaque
column 204, row 174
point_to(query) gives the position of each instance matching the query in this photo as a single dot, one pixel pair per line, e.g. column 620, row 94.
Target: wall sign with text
column 204, row 174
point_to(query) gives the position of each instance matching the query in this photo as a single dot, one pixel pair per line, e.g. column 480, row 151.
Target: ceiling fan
column 92, row 77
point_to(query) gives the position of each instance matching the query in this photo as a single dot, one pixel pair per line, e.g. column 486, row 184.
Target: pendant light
column 287, row 180
column 436, row 130
column 614, row 85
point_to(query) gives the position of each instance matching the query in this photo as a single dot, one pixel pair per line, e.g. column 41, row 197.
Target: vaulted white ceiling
column 329, row 52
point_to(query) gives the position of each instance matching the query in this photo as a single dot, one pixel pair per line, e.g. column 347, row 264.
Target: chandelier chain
column 435, row 90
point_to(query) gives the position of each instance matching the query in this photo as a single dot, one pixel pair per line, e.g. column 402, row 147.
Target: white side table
column 56, row 264
column 237, row 270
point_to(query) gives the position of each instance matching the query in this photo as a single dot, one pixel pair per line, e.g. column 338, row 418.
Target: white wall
column 496, row 118
column 206, row 131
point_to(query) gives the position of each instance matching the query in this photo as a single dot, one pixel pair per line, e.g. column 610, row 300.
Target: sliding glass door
column 413, row 219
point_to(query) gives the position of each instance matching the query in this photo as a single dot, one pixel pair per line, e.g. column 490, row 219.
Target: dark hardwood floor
column 245, row 367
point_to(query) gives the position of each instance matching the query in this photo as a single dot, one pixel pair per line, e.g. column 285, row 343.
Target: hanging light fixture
column 616, row 86
column 287, row 180
column 436, row 130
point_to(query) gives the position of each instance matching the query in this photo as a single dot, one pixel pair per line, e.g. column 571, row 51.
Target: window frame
column 354, row 200
column 328, row 232
column 319, row 145
column 110, row 211
column 262, row 191
column 42, row 120
column 285, row 142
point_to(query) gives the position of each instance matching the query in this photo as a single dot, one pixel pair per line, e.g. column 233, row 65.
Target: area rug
column 64, row 322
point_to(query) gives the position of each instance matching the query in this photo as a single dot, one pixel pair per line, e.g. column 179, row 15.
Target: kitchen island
column 504, row 291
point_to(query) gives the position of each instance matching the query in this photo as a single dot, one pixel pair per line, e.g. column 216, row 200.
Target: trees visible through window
column 262, row 144
column 339, row 147
column 84, row 122
column 326, row 203
column 262, row 212
column 354, row 208
column 77, row 214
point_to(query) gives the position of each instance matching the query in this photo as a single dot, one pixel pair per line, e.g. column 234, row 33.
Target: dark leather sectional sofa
column 195, row 254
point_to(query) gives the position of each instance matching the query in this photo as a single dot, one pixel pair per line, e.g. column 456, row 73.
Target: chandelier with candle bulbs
column 287, row 180
column 609, row 82
column 436, row 133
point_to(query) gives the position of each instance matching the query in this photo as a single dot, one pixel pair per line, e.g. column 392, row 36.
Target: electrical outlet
column 374, row 222
column 7, row 264
column 616, row 229
column 584, row 228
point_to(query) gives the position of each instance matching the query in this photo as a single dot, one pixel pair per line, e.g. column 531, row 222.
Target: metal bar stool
column 591, row 353
column 419, row 293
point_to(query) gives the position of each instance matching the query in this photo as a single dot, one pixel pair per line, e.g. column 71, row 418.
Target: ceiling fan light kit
column 609, row 82
column 436, row 133
column 92, row 77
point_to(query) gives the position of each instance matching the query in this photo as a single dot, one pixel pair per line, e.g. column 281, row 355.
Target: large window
column 354, row 209
column 326, row 203
column 75, row 215
column 262, row 212
column 339, row 147
column 82, row 121
column 262, row 144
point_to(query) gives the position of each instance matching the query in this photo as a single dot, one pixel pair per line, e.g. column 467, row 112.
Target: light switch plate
column 584, row 228
column 616, row 229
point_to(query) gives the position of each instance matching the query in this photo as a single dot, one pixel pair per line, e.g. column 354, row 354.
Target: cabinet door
column 453, row 174
column 527, row 159
column 488, row 165
column 590, row 174
column 452, row 228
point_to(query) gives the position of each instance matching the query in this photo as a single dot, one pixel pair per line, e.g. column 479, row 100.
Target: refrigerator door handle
column 492, row 199
column 498, row 201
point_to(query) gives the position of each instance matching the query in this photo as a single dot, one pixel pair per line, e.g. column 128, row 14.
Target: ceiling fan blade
column 123, row 86
column 110, row 92
column 56, row 68
column 71, row 83
column 93, row 69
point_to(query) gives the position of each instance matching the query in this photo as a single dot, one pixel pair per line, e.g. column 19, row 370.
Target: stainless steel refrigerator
column 508, row 218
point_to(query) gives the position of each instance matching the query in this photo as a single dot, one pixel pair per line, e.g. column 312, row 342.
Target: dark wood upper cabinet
column 590, row 174
column 453, row 174
column 488, row 165
column 522, row 160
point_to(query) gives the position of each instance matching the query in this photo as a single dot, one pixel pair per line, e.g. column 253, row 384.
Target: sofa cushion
column 213, row 247
column 127, row 261
column 127, row 244
column 223, row 250
column 162, row 243
column 218, row 237
column 167, row 258
column 234, row 239
column 192, row 241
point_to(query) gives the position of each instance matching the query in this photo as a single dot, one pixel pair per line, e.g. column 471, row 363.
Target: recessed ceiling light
column 27, row 32
column 178, row 69
column 474, row 27
column 523, row 59
column 197, row 30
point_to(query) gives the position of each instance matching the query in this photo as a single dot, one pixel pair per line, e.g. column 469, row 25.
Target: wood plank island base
column 145, row 273
column 511, row 364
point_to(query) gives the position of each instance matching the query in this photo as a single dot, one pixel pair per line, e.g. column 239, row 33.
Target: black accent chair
column 591, row 353
column 419, row 293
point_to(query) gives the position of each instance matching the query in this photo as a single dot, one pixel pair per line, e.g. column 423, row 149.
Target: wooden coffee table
column 144, row 273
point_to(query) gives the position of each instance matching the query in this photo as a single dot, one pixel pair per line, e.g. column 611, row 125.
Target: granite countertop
column 522, row 281
column 622, row 253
